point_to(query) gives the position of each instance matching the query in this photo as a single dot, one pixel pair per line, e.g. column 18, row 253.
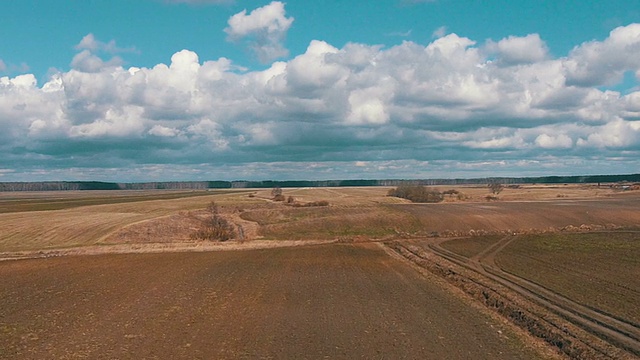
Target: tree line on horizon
column 241, row 184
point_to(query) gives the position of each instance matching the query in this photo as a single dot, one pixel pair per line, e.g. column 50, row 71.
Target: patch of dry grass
column 88, row 225
column 330, row 222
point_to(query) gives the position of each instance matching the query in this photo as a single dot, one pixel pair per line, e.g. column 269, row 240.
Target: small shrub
column 279, row 197
column 496, row 187
column 276, row 191
column 417, row 193
column 291, row 200
column 451, row 192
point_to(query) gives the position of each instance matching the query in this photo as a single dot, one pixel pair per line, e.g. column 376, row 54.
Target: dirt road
column 327, row 301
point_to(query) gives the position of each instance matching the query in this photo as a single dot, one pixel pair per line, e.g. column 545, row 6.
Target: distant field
column 33, row 221
column 81, row 222
column 59, row 200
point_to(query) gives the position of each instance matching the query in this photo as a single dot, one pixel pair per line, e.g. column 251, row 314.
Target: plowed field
column 328, row 301
column 590, row 279
column 524, row 215
column 599, row 270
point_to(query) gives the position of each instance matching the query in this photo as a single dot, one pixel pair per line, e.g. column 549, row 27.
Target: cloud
column 519, row 50
column 598, row 63
column 561, row 141
column 88, row 62
column 265, row 29
column 89, row 59
column 452, row 106
column 400, row 33
column 439, row 32
column 89, row 42
column 12, row 68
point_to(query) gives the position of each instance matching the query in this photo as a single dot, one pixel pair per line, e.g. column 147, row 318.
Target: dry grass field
column 367, row 212
column 85, row 218
column 36, row 221
column 554, row 240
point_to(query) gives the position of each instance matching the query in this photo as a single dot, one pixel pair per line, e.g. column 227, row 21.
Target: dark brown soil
column 330, row 301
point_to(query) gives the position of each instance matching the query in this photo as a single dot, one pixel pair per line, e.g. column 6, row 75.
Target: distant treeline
column 203, row 185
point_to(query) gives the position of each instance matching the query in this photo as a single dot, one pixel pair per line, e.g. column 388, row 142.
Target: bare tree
column 496, row 187
column 214, row 226
column 276, row 192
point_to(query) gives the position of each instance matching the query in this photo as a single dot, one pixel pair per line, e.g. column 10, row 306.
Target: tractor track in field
column 618, row 332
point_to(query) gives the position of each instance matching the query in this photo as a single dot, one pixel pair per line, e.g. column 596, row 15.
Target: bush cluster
column 417, row 193
column 214, row 227
column 311, row 204
column 291, row 201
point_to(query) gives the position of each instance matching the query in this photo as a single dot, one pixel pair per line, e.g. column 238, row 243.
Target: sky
column 179, row 90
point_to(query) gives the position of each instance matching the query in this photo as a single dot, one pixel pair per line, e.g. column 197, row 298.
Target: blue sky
column 43, row 33
column 102, row 90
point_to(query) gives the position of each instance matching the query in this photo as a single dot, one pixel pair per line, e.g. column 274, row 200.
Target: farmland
column 589, row 278
column 599, row 270
column 337, row 301
column 316, row 281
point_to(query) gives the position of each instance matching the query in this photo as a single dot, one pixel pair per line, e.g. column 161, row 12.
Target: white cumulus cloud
column 554, row 141
column 597, row 63
column 89, row 59
column 518, row 50
column 449, row 103
column 439, row 32
column 265, row 29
